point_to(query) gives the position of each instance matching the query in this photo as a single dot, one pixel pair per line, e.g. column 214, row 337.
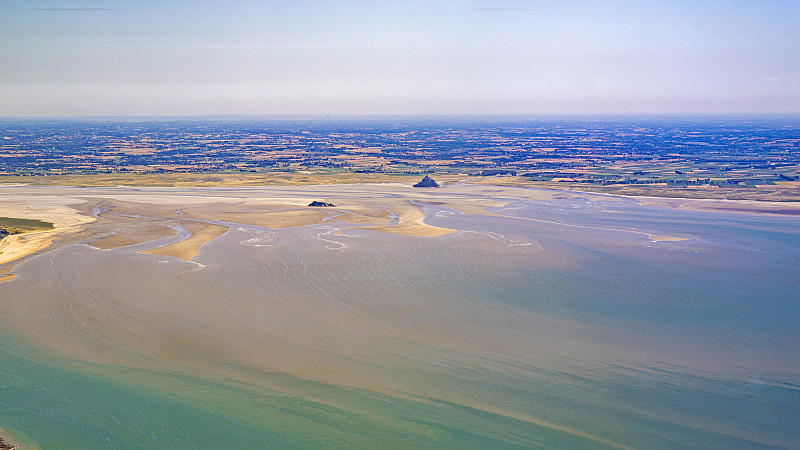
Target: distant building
column 427, row 182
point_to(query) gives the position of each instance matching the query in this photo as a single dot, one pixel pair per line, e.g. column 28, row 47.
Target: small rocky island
column 316, row 203
column 427, row 182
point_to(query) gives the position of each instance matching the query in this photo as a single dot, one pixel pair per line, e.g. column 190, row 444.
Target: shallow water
column 560, row 325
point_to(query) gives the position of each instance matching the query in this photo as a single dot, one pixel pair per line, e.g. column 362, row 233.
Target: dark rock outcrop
column 316, row 203
column 7, row 232
column 427, row 182
column 5, row 445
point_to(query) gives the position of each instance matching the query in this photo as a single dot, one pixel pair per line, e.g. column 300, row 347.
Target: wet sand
column 111, row 241
column 34, row 204
column 20, row 245
column 732, row 206
column 666, row 238
column 466, row 316
column 135, row 215
column 368, row 206
column 390, row 208
column 188, row 248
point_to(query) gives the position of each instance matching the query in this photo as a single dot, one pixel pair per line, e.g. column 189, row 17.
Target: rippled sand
column 468, row 316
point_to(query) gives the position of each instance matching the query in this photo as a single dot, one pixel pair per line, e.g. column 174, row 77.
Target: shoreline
column 6, row 445
column 56, row 210
column 776, row 193
column 389, row 208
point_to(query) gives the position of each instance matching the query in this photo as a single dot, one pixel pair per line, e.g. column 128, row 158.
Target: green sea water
column 55, row 403
column 558, row 326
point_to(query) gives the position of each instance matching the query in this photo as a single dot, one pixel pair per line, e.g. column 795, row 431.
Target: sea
column 565, row 323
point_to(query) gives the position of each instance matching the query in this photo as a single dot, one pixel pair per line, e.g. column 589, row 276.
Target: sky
column 125, row 57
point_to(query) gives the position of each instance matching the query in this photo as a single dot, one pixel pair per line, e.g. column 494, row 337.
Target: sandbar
column 189, row 248
column 19, row 245
column 410, row 221
column 113, row 217
column 49, row 208
column 653, row 237
column 726, row 206
column 111, row 241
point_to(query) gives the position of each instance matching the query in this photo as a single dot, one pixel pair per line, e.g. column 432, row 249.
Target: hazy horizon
column 64, row 58
column 413, row 116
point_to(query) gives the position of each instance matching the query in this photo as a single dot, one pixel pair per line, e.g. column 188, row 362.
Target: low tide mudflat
column 488, row 317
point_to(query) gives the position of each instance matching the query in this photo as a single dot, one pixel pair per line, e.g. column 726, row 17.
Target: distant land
column 725, row 157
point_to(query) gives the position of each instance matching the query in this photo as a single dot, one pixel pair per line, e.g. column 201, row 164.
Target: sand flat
column 47, row 207
column 410, row 221
column 19, row 245
column 140, row 214
column 188, row 248
column 494, row 318
column 419, row 230
column 654, row 237
column 262, row 216
column 731, row 206
column 112, row 234
column 111, row 241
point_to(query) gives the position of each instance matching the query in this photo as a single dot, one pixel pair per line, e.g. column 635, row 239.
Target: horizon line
column 399, row 115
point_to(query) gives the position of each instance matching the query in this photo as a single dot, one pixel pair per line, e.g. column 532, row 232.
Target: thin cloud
column 505, row 9
column 74, row 9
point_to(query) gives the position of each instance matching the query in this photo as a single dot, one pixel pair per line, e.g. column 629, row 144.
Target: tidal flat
column 460, row 317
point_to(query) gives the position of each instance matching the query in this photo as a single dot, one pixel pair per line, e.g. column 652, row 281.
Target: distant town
column 714, row 151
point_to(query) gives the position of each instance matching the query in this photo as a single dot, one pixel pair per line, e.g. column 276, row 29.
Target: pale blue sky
column 113, row 57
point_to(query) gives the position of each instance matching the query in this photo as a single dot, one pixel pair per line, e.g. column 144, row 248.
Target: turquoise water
column 560, row 325
column 114, row 407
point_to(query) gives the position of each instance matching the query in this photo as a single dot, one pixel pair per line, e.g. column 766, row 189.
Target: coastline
column 54, row 209
column 765, row 193
column 10, row 440
column 384, row 207
column 291, row 297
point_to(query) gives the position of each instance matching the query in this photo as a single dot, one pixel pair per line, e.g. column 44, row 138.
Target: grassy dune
column 10, row 225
